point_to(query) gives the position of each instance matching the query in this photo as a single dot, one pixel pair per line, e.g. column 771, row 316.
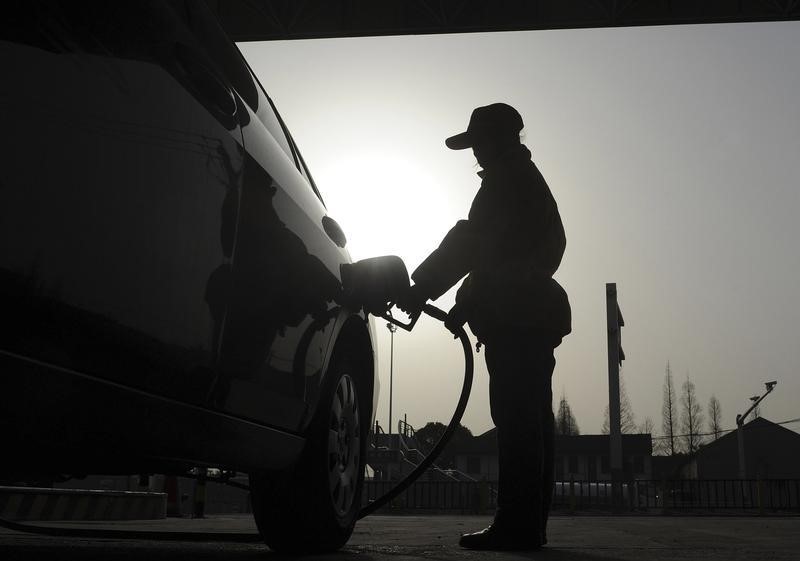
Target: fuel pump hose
column 469, row 365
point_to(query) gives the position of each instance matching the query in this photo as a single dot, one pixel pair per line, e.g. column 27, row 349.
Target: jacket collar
column 515, row 154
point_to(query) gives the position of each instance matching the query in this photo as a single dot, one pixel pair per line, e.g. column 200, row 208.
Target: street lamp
column 740, row 425
column 756, row 411
column 392, row 328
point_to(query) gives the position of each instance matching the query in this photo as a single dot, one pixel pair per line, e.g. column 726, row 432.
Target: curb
column 33, row 503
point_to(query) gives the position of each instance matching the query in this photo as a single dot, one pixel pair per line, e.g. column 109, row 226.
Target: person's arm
column 454, row 258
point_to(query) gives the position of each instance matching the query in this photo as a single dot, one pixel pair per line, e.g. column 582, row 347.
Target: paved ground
column 397, row 538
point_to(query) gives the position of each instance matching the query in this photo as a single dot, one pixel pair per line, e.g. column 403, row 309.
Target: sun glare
column 387, row 205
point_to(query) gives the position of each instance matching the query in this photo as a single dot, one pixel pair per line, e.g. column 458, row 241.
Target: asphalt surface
column 397, row 538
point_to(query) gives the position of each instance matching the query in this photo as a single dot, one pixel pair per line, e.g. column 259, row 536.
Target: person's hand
column 413, row 300
column 456, row 318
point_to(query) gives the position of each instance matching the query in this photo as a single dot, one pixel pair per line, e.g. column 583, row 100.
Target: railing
column 760, row 496
column 718, row 494
column 580, row 495
column 405, row 429
column 465, row 497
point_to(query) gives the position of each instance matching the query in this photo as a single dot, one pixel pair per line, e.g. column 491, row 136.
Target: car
column 169, row 276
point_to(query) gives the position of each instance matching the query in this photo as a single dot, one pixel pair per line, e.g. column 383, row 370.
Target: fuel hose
column 466, row 388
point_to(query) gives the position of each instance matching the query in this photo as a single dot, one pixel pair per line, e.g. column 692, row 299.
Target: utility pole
column 740, row 426
column 392, row 328
column 615, row 357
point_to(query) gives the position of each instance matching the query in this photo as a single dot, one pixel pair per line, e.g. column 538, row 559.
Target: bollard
column 199, row 502
column 633, row 495
column 173, row 498
column 572, row 494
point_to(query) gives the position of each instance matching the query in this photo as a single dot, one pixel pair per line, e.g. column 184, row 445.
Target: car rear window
column 219, row 48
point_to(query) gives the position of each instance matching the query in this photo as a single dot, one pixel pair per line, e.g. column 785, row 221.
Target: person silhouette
column 509, row 247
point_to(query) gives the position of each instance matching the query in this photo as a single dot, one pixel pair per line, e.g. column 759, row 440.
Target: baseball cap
column 497, row 118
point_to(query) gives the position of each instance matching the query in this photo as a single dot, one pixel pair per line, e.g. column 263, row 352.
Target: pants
column 520, row 365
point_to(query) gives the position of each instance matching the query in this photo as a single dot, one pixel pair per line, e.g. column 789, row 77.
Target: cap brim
column 459, row 141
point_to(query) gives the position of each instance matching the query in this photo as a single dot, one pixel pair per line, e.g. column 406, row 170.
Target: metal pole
column 615, row 430
column 392, row 328
column 740, row 438
column 740, row 427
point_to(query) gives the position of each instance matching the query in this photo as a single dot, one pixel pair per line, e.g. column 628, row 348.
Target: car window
column 232, row 64
column 304, row 171
column 219, row 48
column 266, row 114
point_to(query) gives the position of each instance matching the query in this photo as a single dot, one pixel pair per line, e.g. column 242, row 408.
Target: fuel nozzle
column 376, row 284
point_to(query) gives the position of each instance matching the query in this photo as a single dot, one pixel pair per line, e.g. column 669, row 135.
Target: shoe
column 495, row 539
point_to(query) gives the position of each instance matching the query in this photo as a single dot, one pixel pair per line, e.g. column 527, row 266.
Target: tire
column 312, row 507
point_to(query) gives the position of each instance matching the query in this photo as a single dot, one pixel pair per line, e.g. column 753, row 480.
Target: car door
column 119, row 191
column 285, row 282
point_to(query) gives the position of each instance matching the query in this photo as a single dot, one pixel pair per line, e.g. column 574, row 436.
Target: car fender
column 353, row 329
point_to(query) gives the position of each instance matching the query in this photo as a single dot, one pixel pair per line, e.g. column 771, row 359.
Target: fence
column 719, row 494
column 768, row 495
column 465, row 497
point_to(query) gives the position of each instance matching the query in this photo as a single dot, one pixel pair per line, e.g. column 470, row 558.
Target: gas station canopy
column 265, row 20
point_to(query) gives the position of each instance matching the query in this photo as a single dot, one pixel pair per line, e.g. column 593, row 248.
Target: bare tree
column 627, row 419
column 692, row 416
column 565, row 420
column 647, row 426
column 669, row 411
column 714, row 417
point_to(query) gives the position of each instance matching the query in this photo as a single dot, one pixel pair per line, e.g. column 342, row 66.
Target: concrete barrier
column 33, row 503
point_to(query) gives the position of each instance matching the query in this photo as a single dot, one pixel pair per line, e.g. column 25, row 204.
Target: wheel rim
column 344, row 446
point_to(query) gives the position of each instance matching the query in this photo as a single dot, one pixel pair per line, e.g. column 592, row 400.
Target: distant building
column 586, row 457
column 771, row 452
column 677, row 466
column 582, row 457
column 477, row 457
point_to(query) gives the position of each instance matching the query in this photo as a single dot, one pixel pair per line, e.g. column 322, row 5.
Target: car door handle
column 334, row 231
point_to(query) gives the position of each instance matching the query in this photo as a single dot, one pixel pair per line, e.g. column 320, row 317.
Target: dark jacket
column 510, row 245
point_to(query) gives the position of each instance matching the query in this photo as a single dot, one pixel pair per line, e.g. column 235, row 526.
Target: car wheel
column 312, row 507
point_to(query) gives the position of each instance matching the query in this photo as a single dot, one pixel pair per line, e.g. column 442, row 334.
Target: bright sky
column 673, row 155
